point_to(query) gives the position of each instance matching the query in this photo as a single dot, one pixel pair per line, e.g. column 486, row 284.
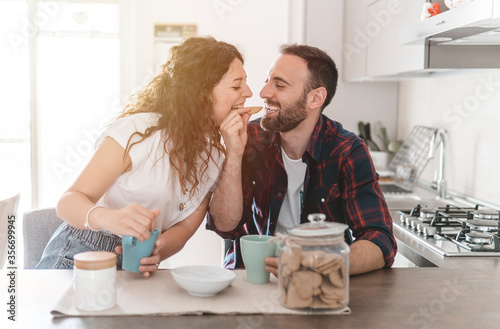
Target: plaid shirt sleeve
column 366, row 210
column 343, row 185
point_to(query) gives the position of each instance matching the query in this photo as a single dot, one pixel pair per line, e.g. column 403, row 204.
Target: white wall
column 467, row 105
column 354, row 101
column 256, row 27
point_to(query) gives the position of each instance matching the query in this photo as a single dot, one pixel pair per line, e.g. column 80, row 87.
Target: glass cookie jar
column 314, row 266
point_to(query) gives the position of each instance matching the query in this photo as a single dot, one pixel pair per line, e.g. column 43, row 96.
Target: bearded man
column 296, row 161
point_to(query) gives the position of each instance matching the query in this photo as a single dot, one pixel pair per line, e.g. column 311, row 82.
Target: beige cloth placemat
column 160, row 295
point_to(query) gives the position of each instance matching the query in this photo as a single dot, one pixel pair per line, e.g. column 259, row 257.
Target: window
column 78, row 89
column 61, row 74
column 15, row 166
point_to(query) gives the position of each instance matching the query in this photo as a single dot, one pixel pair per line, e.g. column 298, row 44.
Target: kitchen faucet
column 439, row 182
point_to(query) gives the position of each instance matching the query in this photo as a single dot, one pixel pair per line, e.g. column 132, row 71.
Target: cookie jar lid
column 317, row 227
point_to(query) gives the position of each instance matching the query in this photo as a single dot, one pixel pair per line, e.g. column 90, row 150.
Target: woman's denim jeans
column 68, row 241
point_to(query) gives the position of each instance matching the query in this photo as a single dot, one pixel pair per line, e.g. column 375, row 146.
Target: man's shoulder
column 334, row 134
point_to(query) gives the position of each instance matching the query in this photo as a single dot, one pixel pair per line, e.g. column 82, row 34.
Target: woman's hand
column 134, row 220
column 234, row 131
column 148, row 264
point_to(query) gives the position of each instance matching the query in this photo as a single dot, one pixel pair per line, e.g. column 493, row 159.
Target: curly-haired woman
column 156, row 165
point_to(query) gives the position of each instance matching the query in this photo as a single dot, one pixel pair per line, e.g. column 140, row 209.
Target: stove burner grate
column 478, row 238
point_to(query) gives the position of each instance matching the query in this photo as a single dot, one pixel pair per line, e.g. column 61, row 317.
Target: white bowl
column 203, row 281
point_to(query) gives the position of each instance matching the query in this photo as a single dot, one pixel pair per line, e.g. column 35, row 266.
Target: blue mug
column 134, row 250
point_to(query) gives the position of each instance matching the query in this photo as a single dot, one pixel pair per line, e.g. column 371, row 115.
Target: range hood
column 467, row 37
column 476, row 23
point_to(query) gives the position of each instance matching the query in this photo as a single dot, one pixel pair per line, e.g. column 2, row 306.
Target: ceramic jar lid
column 95, row 260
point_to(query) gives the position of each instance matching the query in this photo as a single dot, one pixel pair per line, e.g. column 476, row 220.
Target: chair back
column 38, row 227
column 8, row 208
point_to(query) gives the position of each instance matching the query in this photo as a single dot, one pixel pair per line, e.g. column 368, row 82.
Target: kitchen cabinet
column 354, row 40
column 384, row 55
column 371, row 39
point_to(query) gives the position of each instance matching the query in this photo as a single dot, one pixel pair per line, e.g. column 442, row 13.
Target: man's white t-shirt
column 152, row 182
column 289, row 215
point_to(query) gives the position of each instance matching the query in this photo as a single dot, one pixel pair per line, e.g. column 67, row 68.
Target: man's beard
column 288, row 117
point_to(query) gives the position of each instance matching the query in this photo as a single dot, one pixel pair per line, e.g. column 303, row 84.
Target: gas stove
column 455, row 231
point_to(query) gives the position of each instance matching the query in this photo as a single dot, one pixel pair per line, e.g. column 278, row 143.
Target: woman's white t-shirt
column 152, row 182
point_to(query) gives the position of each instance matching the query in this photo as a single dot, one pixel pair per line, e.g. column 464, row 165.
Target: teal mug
column 254, row 248
column 134, row 250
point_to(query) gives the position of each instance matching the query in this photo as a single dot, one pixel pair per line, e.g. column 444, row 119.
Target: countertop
column 414, row 250
column 388, row 298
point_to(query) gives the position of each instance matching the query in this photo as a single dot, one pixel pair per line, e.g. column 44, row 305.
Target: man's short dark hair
column 322, row 69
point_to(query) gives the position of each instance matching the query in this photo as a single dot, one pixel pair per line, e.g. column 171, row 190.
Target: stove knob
column 429, row 230
column 414, row 224
column 421, row 226
column 408, row 221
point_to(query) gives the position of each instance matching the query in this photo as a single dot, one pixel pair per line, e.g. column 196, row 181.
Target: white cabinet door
column 355, row 42
column 371, row 47
column 384, row 55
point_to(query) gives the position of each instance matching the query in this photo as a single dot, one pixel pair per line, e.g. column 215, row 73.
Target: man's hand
column 272, row 265
column 365, row 256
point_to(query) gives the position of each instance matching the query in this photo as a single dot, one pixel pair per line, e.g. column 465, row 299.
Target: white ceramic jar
column 95, row 280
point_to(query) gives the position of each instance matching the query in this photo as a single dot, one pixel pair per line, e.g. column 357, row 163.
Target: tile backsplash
column 468, row 107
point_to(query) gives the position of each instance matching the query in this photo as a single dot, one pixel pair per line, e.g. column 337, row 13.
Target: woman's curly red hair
column 182, row 95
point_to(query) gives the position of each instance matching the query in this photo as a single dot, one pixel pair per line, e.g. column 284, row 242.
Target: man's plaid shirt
column 340, row 182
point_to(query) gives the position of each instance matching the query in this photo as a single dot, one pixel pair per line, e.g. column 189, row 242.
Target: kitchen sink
column 402, row 201
column 408, row 201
